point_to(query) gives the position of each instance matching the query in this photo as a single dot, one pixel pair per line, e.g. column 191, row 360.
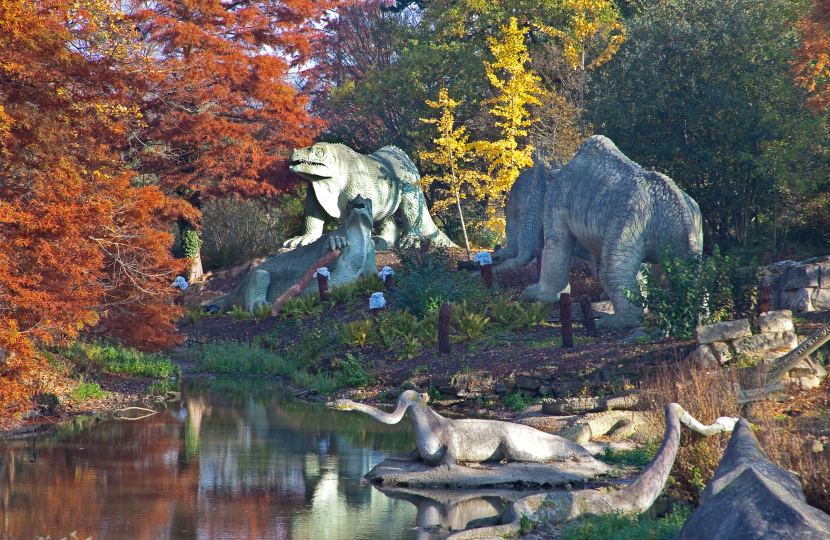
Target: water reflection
column 234, row 460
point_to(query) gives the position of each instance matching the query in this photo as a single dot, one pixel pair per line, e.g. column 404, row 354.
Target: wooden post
column 444, row 317
column 566, row 319
column 588, row 316
column 487, row 274
column 538, row 265
column 323, row 286
column 388, row 282
column 764, row 297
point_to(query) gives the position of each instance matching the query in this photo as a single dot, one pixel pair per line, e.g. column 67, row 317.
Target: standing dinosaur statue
column 445, row 441
column 388, row 177
column 621, row 213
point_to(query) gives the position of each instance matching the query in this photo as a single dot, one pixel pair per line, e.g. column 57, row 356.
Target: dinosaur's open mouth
column 358, row 205
column 304, row 162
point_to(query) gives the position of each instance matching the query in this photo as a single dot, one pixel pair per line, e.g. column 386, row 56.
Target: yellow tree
column 591, row 22
column 451, row 154
column 519, row 88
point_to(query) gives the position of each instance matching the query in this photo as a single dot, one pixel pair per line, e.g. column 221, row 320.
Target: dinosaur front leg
column 315, row 217
column 618, row 271
column 556, row 266
column 390, row 232
column 416, row 220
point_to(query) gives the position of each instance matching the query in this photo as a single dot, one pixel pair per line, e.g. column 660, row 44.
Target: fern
column 531, row 314
column 356, row 333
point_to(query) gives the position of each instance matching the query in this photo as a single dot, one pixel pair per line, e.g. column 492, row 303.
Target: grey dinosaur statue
column 621, row 213
column 444, row 441
column 751, row 498
column 523, row 219
column 636, row 498
column 264, row 284
column 388, row 177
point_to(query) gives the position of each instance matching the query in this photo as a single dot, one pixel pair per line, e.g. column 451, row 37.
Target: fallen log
column 299, row 287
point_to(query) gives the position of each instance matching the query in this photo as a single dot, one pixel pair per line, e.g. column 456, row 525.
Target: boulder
column 722, row 351
column 704, row 357
column 751, row 498
column 807, row 374
column 804, row 276
column 723, row 331
column 760, row 343
column 796, row 300
column 776, row 321
column 820, row 298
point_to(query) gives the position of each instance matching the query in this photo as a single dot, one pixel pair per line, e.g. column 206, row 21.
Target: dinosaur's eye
column 319, row 152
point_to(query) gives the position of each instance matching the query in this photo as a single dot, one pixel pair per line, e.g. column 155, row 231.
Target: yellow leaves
column 590, row 20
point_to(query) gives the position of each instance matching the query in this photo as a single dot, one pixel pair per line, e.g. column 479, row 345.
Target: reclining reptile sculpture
column 388, row 177
column 444, row 441
column 621, row 213
column 264, row 284
column 636, row 498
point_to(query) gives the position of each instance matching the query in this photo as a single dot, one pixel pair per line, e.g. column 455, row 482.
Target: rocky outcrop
column 752, row 498
column 802, row 287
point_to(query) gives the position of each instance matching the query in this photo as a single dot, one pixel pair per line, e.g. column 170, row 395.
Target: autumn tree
column 81, row 243
column 517, row 87
column 453, row 155
column 812, row 66
column 221, row 109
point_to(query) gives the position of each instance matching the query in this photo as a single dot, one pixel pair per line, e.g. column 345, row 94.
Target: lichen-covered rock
column 618, row 211
column 388, row 177
column 704, row 357
column 776, row 321
column 806, row 276
column 723, row 331
column 722, row 352
column 750, row 498
column 759, row 343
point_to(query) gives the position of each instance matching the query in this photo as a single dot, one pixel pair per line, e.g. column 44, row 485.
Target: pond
column 232, row 458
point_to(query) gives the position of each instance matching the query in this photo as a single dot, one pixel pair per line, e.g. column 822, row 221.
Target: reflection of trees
column 231, row 463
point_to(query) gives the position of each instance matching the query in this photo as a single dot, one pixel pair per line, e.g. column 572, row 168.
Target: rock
column 751, row 498
column 704, row 357
column 510, row 384
column 797, row 300
column 526, row 383
column 807, row 374
column 776, row 321
column 501, row 388
column 760, row 343
column 636, row 334
column 545, row 390
column 820, row 298
column 723, row 331
column 474, row 384
column 803, row 276
column 722, row 352
column 816, row 446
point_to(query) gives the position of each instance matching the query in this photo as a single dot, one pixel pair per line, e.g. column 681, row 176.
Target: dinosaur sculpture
column 523, row 214
column 388, row 177
column 637, row 497
column 619, row 212
column 444, row 441
column 265, row 283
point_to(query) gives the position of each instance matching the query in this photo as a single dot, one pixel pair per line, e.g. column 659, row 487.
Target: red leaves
column 812, row 67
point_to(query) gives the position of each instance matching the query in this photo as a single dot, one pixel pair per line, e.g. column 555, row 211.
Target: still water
column 230, row 459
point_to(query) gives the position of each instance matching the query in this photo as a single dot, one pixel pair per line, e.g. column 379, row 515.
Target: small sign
column 483, row 258
column 377, row 301
column 180, row 282
column 323, row 271
column 386, row 272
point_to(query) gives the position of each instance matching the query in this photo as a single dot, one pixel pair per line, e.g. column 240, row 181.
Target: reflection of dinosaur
column 445, row 441
column 637, row 497
column 621, row 213
column 265, row 283
column 388, row 177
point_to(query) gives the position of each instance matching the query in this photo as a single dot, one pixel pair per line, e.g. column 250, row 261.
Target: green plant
column 367, row 285
column 503, row 312
column 262, row 311
column 472, row 325
column 86, row 391
column 113, row 358
column 354, row 374
column 516, row 401
column 342, row 293
column 193, row 314
column 356, row 333
column 619, row 527
column 684, row 290
column 418, row 371
column 239, row 314
column 300, row 307
column 525, row 524
column 636, row 457
column 528, row 315
column 409, row 348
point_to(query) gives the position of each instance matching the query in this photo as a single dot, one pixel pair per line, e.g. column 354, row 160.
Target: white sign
column 386, row 272
column 483, row 258
column 180, row 282
column 377, row 301
column 323, row 271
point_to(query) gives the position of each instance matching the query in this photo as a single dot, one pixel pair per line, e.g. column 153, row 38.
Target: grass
column 637, row 457
column 121, row 360
column 87, row 391
column 619, row 527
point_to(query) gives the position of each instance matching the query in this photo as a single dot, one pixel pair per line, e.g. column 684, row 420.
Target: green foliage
column 356, row 333
column 528, row 315
column 239, row 314
column 194, row 313
column 636, row 457
column 517, row 401
column 469, row 322
column 300, row 307
column 713, row 288
column 342, row 293
column 620, row 527
column 503, row 312
column 365, row 286
column 525, row 524
column 191, row 242
column 113, row 358
column 86, row 391
column 262, row 311
column 354, row 374
column 397, row 328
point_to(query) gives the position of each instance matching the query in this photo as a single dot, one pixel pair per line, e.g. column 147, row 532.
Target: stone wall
column 733, row 343
column 800, row 286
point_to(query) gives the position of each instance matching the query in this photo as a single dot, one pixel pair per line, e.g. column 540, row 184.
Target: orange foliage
column 221, row 109
column 812, row 67
column 80, row 241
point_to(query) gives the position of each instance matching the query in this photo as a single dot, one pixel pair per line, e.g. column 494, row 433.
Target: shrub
column 365, row 286
column 342, row 293
column 685, row 289
column 356, row 333
column 87, row 391
column 354, row 374
column 239, row 314
column 529, row 315
column 302, row 306
column 503, row 312
column 516, row 401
